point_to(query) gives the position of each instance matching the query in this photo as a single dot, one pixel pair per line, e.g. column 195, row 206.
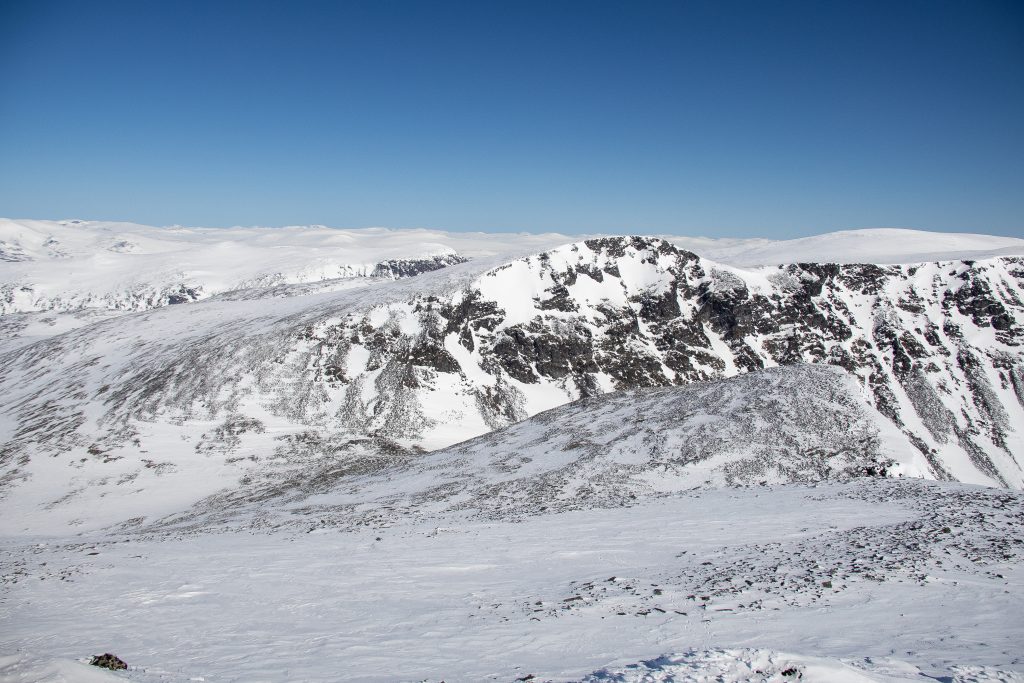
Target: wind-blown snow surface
column 802, row 423
column 873, row 580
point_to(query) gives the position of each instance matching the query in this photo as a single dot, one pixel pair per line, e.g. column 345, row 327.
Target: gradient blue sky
column 776, row 119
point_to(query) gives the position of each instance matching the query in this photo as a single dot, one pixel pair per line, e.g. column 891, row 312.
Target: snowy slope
column 766, row 666
column 151, row 411
column 800, row 423
column 874, row 245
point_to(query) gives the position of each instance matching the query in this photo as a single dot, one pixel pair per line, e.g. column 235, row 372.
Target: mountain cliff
column 936, row 347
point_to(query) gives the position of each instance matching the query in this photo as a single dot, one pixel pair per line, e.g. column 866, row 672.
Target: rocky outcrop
column 108, row 661
column 396, row 268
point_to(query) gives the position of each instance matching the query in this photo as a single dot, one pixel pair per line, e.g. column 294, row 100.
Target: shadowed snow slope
column 801, row 423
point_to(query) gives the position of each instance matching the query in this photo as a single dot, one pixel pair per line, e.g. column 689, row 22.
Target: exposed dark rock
column 560, row 300
column 429, row 353
column 184, row 295
column 975, row 299
column 659, row 307
column 398, row 268
column 108, row 661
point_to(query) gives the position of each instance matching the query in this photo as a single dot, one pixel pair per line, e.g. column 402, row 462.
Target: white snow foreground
column 23, row 668
column 878, row 580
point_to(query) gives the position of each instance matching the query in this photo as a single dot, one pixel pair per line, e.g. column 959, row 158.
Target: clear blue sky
column 768, row 118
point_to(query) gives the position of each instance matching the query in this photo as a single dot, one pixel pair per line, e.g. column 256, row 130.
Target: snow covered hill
column 872, row 245
column 937, row 345
column 152, row 411
column 800, row 423
column 70, row 265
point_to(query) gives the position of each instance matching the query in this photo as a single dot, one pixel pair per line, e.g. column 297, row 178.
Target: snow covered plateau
column 310, row 454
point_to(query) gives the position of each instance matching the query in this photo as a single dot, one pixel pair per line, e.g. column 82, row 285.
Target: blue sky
column 769, row 118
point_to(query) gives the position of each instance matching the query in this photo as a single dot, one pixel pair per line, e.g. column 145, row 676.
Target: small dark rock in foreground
column 108, row 661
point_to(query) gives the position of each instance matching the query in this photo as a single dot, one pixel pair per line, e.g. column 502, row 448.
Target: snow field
column 560, row 596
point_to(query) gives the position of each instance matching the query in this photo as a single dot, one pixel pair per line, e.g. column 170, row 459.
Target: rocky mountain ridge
column 937, row 346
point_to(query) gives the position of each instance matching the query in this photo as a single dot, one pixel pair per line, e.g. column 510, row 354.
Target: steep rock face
column 215, row 389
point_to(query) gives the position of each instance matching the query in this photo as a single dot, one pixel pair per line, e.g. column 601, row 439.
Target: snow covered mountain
column 624, row 459
column 155, row 410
